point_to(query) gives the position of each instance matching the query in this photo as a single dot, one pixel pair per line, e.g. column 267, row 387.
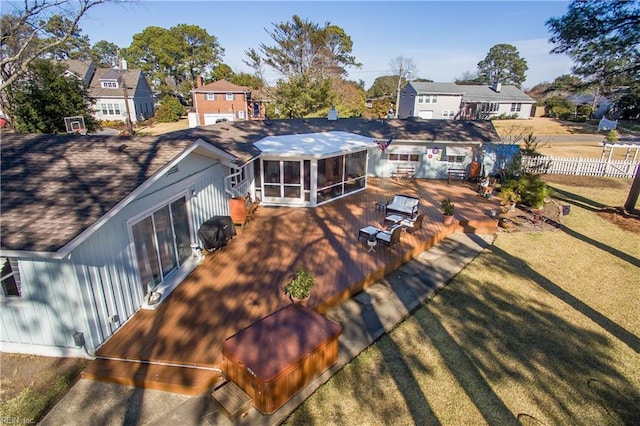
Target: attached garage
column 212, row 118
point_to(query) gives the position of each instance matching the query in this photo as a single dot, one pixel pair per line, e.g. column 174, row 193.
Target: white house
column 448, row 101
column 91, row 224
column 107, row 86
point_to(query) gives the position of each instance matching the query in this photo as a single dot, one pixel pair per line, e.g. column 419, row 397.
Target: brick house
column 222, row 100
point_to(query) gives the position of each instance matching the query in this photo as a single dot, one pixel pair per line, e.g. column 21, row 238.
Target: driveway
column 108, row 131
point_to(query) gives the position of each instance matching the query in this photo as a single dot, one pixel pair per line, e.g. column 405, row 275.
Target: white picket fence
column 579, row 166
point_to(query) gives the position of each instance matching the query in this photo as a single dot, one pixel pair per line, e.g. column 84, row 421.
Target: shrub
column 170, row 110
column 529, row 190
column 612, row 136
column 559, row 107
column 505, row 116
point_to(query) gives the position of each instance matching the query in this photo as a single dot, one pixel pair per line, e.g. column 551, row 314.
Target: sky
column 444, row 39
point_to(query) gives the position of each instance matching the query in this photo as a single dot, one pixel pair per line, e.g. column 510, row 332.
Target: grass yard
column 541, row 328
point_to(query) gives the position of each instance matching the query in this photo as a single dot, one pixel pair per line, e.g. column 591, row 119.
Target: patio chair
column 390, row 237
column 412, row 225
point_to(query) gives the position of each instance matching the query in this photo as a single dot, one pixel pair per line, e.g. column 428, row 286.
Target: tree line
column 312, row 60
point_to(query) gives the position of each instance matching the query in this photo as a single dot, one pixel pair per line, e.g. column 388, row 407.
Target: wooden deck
column 178, row 346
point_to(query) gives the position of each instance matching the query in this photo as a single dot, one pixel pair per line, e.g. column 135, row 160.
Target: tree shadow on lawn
column 577, row 200
column 567, row 372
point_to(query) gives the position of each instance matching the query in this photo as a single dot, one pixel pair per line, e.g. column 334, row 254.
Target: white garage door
column 428, row 114
column 211, row 118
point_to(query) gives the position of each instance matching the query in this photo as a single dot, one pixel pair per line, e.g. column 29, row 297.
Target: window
column 10, row 277
column 162, row 242
column 455, row 159
column 241, row 115
column 404, row 157
column 448, row 113
column 229, row 96
column 427, row 99
column 110, row 109
column 516, row 107
column 210, row 96
column 489, row 106
column 256, row 109
column 110, row 84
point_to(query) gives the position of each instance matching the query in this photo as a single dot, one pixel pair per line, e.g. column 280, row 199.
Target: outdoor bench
column 456, row 173
column 407, row 172
column 403, row 204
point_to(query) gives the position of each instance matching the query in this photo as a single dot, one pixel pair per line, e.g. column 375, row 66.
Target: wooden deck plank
column 241, row 283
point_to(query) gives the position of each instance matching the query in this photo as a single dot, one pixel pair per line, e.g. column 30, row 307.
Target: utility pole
column 123, row 69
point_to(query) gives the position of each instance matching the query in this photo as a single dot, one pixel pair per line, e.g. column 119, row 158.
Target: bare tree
column 32, row 29
column 403, row 69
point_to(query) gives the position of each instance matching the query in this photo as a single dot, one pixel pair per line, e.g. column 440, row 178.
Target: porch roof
column 314, row 144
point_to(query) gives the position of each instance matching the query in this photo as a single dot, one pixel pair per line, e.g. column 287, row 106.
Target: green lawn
column 541, row 327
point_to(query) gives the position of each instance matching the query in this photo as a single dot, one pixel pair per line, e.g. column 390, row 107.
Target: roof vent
column 333, row 114
column 118, row 148
column 497, row 87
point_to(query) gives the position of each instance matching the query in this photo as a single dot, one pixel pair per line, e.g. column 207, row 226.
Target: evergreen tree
column 503, row 64
column 308, row 58
column 46, row 97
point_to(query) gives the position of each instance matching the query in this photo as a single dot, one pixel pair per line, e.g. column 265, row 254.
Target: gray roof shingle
column 131, row 78
column 474, row 93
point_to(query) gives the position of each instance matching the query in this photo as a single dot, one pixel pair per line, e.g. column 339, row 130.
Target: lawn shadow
column 576, row 200
column 508, row 336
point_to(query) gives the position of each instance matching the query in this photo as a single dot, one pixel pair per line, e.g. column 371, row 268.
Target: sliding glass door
column 162, row 242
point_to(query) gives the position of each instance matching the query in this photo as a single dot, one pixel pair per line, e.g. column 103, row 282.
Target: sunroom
column 311, row 169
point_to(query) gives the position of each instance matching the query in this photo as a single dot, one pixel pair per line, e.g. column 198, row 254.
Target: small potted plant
column 447, row 210
column 299, row 288
column 372, row 242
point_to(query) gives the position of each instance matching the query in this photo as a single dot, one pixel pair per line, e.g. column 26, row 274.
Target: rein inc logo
column 18, row 421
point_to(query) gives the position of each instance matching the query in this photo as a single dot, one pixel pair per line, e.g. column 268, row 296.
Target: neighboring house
column 91, row 224
column 112, row 97
column 105, row 85
column 448, row 101
column 225, row 101
column 81, row 70
column 600, row 104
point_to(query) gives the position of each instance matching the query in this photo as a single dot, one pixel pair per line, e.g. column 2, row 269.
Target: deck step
column 233, row 399
column 183, row 380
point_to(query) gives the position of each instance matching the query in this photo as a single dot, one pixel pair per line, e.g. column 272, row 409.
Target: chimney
column 199, row 81
column 497, row 87
column 333, row 114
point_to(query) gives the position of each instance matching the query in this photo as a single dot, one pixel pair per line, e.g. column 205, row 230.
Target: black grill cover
column 216, row 232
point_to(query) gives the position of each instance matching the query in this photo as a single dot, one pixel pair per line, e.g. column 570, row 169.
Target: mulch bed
column 627, row 220
column 521, row 220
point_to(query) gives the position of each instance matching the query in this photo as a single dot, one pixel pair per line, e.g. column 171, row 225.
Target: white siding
column 432, row 162
column 99, row 279
column 410, row 107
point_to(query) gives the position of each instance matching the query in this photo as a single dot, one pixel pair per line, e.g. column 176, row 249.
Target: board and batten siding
column 96, row 288
column 430, row 165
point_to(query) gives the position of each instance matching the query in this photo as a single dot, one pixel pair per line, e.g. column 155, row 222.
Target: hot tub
column 280, row 354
